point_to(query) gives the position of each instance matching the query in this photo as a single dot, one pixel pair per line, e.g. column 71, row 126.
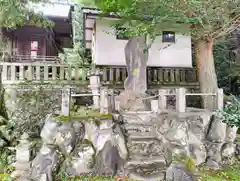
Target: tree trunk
column 206, row 71
column 3, row 111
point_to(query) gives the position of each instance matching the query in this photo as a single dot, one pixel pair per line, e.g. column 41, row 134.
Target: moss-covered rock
column 84, row 114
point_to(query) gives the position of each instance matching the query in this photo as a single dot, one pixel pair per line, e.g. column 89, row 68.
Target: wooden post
column 66, row 101
column 162, row 99
column 104, row 100
column 220, row 97
column 180, row 100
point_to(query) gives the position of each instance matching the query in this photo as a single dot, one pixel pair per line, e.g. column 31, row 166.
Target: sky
column 61, row 9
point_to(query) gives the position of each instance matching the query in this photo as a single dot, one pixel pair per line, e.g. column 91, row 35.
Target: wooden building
column 31, row 42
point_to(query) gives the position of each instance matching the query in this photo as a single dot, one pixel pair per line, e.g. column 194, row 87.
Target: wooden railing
column 19, row 72
column 29, row 59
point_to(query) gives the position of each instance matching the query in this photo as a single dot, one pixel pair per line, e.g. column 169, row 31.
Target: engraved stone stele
column 136, row 83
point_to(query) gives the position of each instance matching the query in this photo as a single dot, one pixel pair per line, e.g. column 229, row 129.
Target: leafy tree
column 207, row 21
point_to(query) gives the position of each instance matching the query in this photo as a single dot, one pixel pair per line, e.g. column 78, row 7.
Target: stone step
column 146, row 161
column 147, row 171
column 141, row 131
column 142, row 139
column 158, row 158
column 151, row 177
column 136, row 136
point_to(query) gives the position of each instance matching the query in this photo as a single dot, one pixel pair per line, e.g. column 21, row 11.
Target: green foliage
column 14, row 13
column 221, row 53
column 205, row 18
column 231, row 112
column 5, row 177
column 224, row 69
column 226, row 174
column 87, row 3
column 78, row 55
column 30, row 108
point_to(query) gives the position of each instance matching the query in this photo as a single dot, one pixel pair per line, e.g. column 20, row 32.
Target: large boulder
column 216, row 130
column 81, row 160
column 196, row 148
column 228, row 151
column 106, row 131
column 108, row 160
column 109, row 144
column 178, row 172
column 65, row 137
column 45, row 163
column 62, row 134
column 231, row 133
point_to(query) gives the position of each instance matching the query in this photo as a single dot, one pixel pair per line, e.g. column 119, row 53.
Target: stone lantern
column 23, row 153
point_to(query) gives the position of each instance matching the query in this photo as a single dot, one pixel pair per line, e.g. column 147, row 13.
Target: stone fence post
column 111, row 101
column 66, row 101
column 162, row 99
column 181, row 100
column 220, row 98
column 95, row 86
column 104, row 100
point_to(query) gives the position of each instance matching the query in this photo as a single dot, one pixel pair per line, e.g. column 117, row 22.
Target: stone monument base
column 133, row 101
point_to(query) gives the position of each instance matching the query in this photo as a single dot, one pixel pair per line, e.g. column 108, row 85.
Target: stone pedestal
column 134, row 101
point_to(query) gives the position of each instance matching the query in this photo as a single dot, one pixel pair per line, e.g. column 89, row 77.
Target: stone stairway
column 146, row 155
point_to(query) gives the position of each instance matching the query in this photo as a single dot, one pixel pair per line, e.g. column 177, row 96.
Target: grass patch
column 230, row 173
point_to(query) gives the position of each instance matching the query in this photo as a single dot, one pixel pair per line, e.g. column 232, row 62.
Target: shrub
column 231, row 112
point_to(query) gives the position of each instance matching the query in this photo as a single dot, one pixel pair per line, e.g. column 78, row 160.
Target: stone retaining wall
column 139, row 145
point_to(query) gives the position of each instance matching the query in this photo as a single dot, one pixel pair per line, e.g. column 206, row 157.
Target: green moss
column 63, row 118
column 83, row 114
column 86, row 142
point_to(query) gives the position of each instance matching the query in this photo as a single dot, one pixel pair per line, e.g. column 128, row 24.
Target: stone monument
column 136, row 83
